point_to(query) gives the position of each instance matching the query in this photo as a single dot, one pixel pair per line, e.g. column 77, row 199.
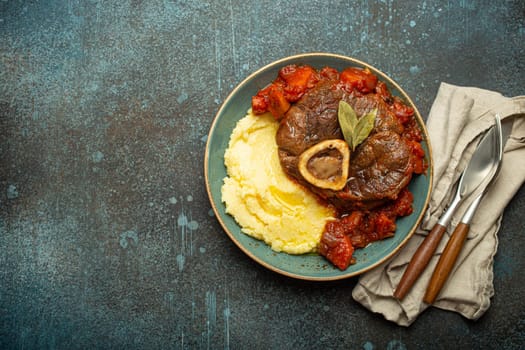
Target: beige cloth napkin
column 457, row 119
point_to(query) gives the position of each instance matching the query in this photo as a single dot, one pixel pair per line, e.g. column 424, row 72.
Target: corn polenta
column 263, row 200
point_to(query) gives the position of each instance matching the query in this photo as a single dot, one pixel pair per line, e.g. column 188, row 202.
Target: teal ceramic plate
column 310, row 266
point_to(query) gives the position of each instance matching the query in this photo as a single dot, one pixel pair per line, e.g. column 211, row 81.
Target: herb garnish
column 355, row 130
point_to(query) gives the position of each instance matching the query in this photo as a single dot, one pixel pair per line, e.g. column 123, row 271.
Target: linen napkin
column 457, row 120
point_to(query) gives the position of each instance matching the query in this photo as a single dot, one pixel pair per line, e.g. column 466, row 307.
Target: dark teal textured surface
column 106, row 235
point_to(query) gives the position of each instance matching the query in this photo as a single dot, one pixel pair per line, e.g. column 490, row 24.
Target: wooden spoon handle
column 419, row 261
column 446, row 262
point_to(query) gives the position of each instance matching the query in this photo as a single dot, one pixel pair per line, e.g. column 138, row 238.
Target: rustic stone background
column 107, row 238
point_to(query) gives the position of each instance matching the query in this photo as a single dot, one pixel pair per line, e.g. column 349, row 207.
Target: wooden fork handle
column 446, row 262
column 419, row 261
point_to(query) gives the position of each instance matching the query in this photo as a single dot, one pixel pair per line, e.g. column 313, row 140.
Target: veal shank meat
column 379, row 167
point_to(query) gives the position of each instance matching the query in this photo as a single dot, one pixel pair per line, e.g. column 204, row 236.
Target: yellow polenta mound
column 265, row 203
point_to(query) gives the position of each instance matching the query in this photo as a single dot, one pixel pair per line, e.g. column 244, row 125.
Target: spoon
column 491, row 164
column 473, row 175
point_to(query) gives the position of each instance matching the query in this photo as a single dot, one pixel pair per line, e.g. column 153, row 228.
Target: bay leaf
column 347, row 120
column 363, row 128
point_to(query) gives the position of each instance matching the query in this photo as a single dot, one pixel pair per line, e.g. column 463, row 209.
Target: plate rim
column 280, row 62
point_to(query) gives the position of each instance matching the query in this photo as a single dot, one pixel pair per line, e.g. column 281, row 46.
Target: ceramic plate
column 310, row 266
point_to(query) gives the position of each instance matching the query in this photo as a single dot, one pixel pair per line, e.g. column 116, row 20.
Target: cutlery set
column 480, row 173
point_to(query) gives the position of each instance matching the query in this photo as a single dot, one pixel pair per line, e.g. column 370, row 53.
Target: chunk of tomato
column 403, row 112
column 336, row 247
column 418, row 157
column 336, row 244
column 259, row 104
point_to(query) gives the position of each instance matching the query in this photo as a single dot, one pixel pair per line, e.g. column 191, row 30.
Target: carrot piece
column 297, row 79
column 277, row 102
column 361, row 79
